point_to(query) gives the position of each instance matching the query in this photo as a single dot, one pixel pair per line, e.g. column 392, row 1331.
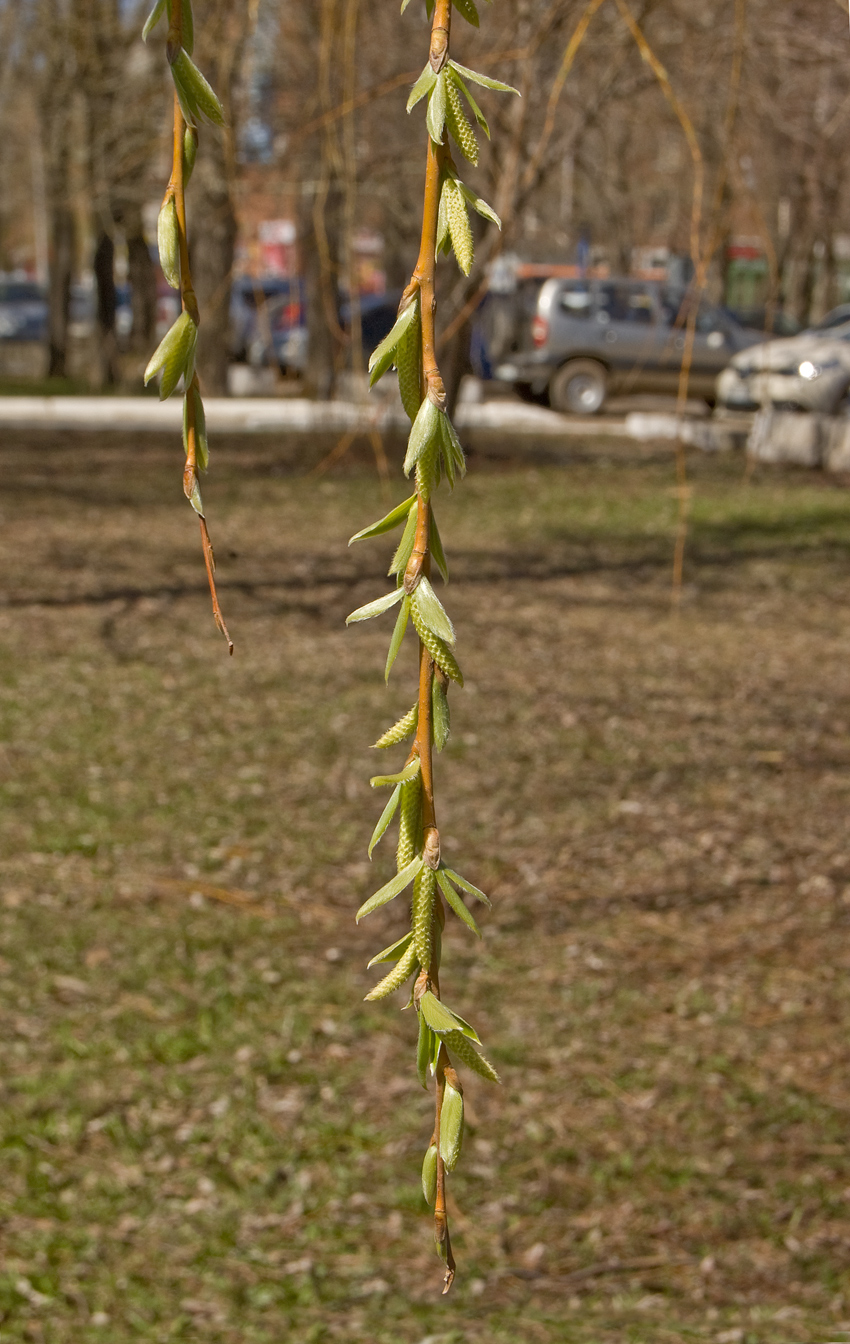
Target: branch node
column 439, row 53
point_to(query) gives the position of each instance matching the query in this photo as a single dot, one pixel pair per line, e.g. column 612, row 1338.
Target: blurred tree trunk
column 213, row 229
column 222, row 31
column 320, row 248
column 142, row 277
column 456, row 363
column 104, row 275
column 60, row 267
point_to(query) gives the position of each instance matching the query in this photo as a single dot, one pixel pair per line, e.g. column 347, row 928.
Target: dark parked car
column 281, row 320
column 588, row 338
column 248, row 298
column 284, row 320
column 23, row 311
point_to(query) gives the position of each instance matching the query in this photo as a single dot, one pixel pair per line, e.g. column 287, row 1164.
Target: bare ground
column 206, row 1134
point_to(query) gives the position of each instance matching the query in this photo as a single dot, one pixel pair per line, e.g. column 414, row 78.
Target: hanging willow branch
column 433, row 451
column 174, row 358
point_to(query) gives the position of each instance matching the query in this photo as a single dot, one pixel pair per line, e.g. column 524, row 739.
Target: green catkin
column 403, row 728
column 408, row 826
column 459, row 230
column 462, row 1048
column 459, row 126
column 424, row 895
column 402, row 971
column 408, row 361
column 440, row 715
column 437, row 648
column 428, row 471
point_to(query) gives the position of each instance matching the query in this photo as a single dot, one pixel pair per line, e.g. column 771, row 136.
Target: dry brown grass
column 206, row 1133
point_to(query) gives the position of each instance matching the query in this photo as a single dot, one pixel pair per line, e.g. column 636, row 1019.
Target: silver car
column 588, row 338
column 809, row 372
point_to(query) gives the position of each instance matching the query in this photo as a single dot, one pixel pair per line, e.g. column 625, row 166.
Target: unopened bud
column 168, row 242
column 451, row 1125
column 429, row 1176
column 190, row 152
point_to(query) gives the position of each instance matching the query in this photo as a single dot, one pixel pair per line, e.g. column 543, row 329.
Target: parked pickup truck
column 589, row 338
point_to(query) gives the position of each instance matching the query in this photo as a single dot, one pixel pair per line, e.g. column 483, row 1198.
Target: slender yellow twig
column 177, row 191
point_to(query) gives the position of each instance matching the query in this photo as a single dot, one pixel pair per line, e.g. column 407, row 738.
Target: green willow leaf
column 439, row 1018
column 394, row 952
column 484, row 80
column 456, row 903
column 376, row 608
column 467, row 886
column 432, row 611
column 391, row 889
column 466, row 8
column 398, row 636
column 153, row 19
column 467, row 1029
column 475, row 109
column 385, row 817
column 447, row 460
column 173, row 355
column 202, row 445
column 436, row 117
column 387, row 523
column 381, row 358
column 402, row 777
column 424, row 432
column 423, row 85
column 188, row 106
column 452, row 447
column 191, row 86
column 404, row 549
column 188, row 25
column 424, row 1049
column 480, row 206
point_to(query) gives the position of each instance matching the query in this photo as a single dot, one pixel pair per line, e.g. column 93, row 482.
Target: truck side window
column 576, row 301
column 624, row 303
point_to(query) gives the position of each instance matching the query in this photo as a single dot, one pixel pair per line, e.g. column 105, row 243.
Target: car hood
column 787, row 354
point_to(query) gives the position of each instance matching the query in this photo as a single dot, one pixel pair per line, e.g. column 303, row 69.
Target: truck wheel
column 579, row 387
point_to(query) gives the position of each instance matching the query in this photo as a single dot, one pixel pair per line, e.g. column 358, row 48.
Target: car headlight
column 809, row 370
